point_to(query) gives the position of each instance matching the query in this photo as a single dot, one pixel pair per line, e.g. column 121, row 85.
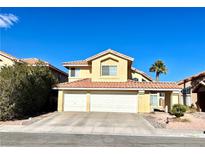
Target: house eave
column 74, row 65
column 120, row 89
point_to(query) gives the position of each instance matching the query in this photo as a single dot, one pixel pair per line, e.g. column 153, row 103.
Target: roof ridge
column 30, row 58
column 36, row 59
column 109, row 51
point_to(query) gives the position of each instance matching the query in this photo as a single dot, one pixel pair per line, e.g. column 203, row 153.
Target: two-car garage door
column 101, row 102
column 113, row 103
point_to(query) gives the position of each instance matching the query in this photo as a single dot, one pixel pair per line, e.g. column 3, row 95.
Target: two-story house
column 107, row 82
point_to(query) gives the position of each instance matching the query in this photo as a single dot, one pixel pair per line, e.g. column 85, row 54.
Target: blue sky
column 174, row 35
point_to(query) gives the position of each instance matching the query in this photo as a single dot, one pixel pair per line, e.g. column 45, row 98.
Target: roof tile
column 78, row 62
column 87, row 83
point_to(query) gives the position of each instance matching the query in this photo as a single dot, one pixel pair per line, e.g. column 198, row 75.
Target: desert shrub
column 24, row 90
column 192, row 109
column 178, row 110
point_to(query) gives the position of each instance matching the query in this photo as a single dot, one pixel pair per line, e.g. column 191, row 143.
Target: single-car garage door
column 75, row 102
column 115, row 102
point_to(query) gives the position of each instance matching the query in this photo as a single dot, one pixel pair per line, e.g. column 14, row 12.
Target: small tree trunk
column 157, row 76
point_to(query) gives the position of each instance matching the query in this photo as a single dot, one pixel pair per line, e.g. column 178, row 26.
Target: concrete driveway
column 96, row 124
column 92, row 123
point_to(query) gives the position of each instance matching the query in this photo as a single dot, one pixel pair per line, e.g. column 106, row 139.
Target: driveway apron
column 93, row 123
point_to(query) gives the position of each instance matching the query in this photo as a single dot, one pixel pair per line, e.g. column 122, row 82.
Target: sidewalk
column 103, row 131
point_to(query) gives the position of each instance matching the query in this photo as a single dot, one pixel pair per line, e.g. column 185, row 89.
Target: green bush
column 178, row 110
column 24, row 90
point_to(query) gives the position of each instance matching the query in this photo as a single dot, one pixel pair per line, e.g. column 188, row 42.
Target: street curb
column 117, row 134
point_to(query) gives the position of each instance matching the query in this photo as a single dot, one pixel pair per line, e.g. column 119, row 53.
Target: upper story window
column 74, row 72
column 1, row 60
column 109, row 70
column 143, row 80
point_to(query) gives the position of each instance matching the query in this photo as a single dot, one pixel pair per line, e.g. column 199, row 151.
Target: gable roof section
column 85, row 62
column 195, row 89
column 201, row 74
column 112, row 52
column 142, row 73
column 132, row 85
column 6, row 55
column 34, row 61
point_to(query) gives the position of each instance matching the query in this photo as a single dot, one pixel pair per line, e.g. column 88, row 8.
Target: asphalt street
column 77, row 140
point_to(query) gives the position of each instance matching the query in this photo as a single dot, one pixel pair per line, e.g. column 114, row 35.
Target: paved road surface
column 72, row 140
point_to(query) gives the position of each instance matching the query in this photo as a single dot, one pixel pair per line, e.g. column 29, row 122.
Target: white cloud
column 7, row 20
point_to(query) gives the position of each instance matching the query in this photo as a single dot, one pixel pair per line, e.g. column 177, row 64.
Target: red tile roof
column 87, row 83
column 85, row 62
column 9, row 56
column 34, row 61
column 201, row 74
column 76, row 63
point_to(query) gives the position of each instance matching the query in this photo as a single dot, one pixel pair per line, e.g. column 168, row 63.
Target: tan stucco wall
column 5, row 61
column 175, row 98
column 85, row 72
column 88, row 101
column 109, row 59
column 60, row 100
column 144, row 102
column 124, row 71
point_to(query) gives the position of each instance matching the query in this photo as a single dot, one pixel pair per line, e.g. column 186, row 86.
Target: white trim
column 138, row 89
column 75, row 65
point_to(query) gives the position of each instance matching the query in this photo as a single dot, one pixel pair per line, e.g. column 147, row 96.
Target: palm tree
column 159, row 68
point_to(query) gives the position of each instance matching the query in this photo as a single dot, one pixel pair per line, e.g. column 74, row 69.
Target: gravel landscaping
column 154, row 122
column 190, row 121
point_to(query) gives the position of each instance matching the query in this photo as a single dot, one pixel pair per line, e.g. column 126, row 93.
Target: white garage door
column 75, row 102
column 113, row 103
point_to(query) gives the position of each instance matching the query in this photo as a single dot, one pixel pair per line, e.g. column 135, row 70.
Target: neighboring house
column 193, row 91
column 60, row 75
column 107, row 82
column 8, row 60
